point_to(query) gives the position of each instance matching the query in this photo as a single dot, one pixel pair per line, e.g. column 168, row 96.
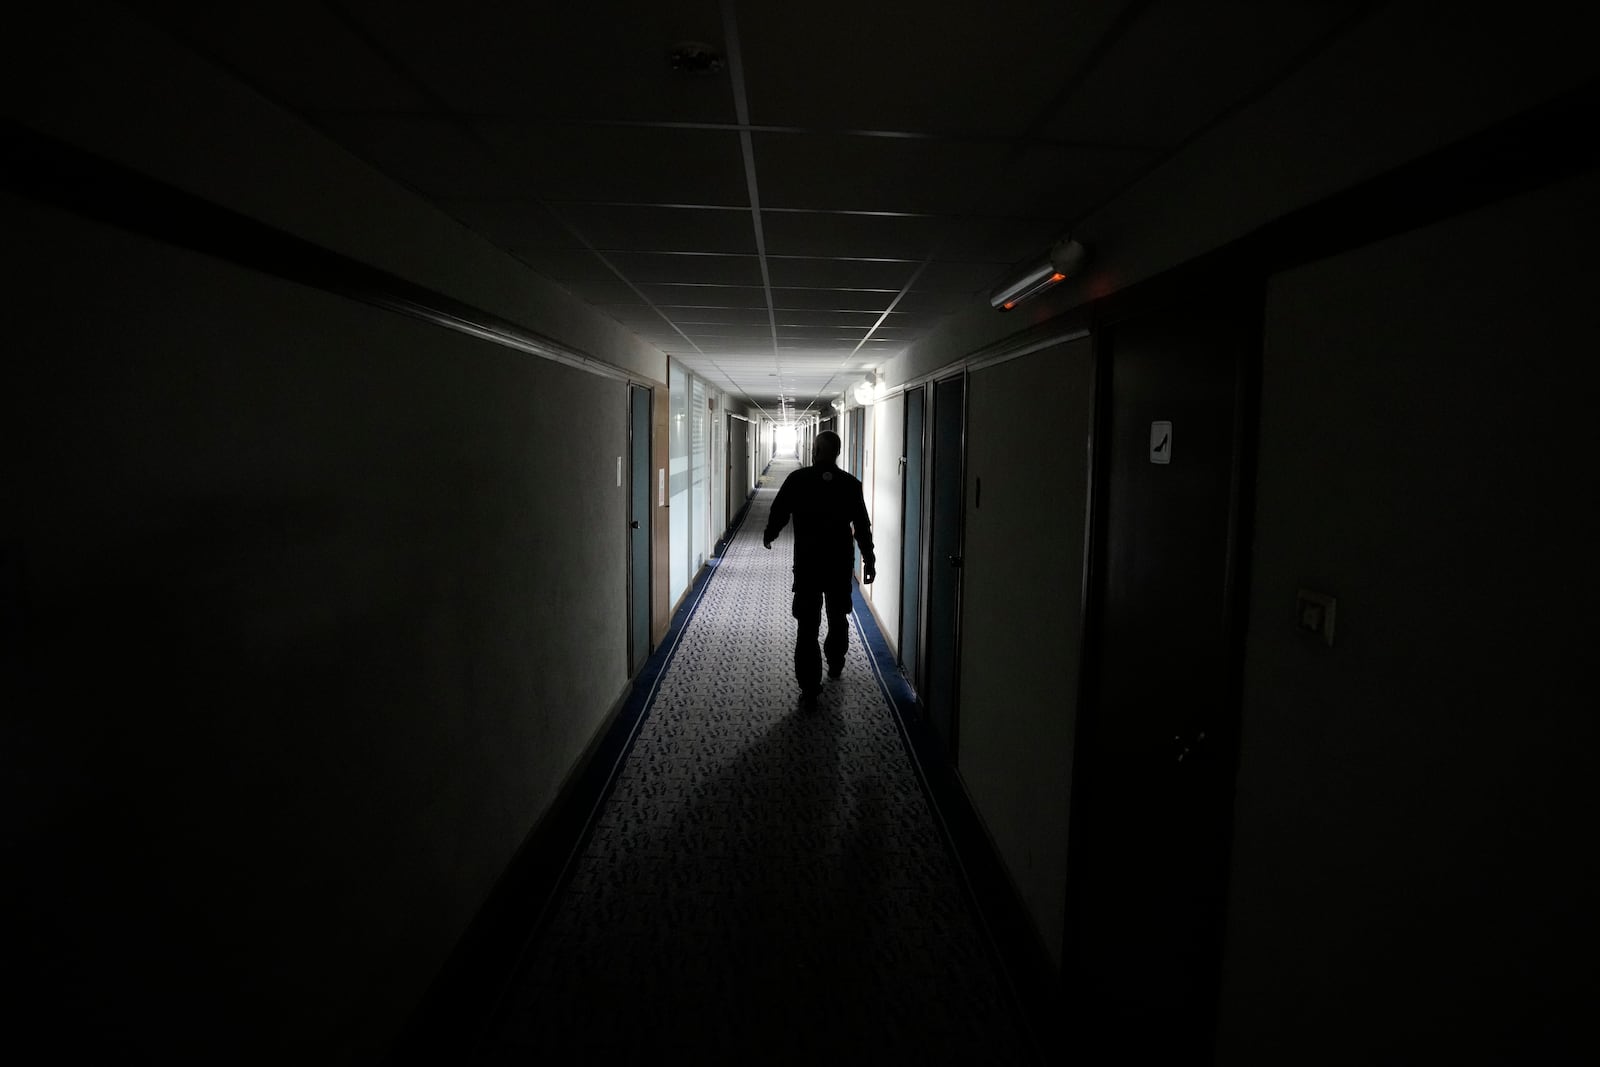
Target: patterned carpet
column 763, row 884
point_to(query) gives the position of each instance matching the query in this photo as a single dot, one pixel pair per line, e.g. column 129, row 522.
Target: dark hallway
column 392, row 390
column 765, row 883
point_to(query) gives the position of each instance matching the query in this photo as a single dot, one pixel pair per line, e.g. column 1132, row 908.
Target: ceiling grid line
column 741, row 106
column 826, row 188
column 1119, row 27
column 736, row 127
column 355, row 27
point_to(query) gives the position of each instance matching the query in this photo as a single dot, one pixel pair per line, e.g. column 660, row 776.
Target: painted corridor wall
column 317, row 604
column 1413, row 875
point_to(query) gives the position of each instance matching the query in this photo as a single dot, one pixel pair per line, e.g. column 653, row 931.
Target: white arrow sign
column 1161, row 442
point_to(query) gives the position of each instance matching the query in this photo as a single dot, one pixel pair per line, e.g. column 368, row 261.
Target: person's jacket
column 826, row 504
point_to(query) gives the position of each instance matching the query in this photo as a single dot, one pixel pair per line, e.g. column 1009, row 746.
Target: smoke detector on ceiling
column 695, row 58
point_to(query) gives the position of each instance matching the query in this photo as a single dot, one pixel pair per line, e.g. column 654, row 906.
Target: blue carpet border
column 992, row 896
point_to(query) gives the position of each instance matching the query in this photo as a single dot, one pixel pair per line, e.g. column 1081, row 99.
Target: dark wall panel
column 1414, row 879
column 319, row 605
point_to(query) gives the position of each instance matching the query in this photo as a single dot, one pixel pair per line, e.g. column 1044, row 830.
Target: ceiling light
column 1065, row 257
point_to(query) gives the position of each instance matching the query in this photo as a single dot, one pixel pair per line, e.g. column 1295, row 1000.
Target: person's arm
column 782, row 504
column 862, row 524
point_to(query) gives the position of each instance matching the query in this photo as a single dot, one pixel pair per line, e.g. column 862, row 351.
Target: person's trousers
column 808, row 611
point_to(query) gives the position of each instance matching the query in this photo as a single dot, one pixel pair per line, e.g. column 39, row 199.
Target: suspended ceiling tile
column 603, row 59
column 747, row 316
column 631, row 164
column 660, row 267
column 725, row 329
column 708, row 348
column 933, row 176
column 809, row 317
column 706, row 295
column 832, row 299
column 841, row 64
column 435, row 156
column 294, row 51
column 660, row 229
column 835, row 330
column 729, row 345
column 513, row 224
column 854, row 236
column 1219, row 53
column 851, row 273
column 757, row 370
column 817, row 348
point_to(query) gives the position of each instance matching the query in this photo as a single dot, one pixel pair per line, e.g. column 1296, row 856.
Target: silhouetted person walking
column 826, row 504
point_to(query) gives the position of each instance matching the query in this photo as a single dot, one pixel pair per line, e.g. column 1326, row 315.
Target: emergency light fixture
column 869, row 391
column 1065, row 257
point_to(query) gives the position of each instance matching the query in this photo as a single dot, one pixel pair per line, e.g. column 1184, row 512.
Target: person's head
column 825, row 451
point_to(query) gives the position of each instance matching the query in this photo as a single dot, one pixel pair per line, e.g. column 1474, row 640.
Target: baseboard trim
column 1022, row 956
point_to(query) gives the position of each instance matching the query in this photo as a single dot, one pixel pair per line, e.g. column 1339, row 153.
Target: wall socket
column 1314, row 614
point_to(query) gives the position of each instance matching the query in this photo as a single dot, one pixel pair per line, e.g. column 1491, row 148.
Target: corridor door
column 855, row 456
column 738, row 476
column 943, row 647
column 638, row 527
column 1156, row 736
column 911, row 539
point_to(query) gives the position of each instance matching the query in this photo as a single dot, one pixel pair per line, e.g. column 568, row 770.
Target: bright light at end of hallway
column 785, row 440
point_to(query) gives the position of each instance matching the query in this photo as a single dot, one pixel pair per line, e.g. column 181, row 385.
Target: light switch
column 1314, row 614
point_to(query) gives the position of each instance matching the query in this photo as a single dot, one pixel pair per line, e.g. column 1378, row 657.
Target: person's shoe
column 808, row 699
column 835, row 671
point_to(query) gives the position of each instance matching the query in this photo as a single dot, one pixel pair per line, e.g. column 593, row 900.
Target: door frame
column 638, row 391
column 660, row 539
column 1246, row 291
column 929, row 478
column 912, row 633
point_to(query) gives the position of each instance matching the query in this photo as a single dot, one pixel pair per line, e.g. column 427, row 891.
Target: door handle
column 634, row 525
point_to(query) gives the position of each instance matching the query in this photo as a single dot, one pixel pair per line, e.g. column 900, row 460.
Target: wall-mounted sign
column 1161, row 442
